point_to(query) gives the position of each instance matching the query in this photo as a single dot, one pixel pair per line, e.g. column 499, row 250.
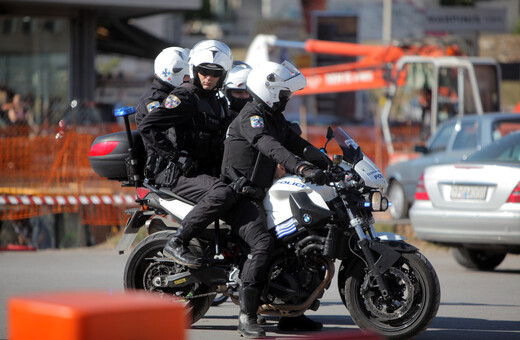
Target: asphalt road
column 474, row 305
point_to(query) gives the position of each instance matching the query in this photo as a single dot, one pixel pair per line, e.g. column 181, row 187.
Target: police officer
column 259, row 139
column 190, row 160
column 235, row 88
column 170, row 71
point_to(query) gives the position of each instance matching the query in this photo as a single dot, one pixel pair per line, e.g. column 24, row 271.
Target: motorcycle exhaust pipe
column 296, row 310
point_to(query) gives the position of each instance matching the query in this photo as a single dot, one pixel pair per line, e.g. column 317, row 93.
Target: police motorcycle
column 386, row 284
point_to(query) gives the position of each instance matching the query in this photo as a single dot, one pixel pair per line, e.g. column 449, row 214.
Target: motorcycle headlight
column 377, row 201
column 384, row 204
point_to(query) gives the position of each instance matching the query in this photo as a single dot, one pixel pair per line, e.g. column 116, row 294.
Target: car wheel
column 477, row 259
column 399, row 207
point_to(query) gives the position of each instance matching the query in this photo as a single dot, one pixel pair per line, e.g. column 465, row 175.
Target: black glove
column 238, row 184
column 183, row 162
column 312, row 173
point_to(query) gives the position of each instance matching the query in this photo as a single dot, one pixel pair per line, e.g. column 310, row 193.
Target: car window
column 506, row 149
column 442, row 138
column 466, row 137
column 502, row 128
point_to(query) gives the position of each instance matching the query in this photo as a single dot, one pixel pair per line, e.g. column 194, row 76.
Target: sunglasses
column 210, row 72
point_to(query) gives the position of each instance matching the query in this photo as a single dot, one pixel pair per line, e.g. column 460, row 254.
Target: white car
column 473, row 206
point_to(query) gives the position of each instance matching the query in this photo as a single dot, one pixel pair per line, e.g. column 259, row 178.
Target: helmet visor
column 209, row 71
column 291, row 78
column 293, row 71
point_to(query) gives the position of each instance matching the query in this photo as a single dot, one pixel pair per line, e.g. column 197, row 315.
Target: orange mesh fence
column 38, row 169
column 48, row 171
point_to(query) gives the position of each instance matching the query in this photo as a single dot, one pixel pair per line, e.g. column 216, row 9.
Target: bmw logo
column 307, row 218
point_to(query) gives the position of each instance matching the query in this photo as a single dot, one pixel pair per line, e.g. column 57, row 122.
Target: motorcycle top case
column 108, row 155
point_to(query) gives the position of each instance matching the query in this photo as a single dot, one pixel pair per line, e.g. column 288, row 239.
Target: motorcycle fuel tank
column 277, row 203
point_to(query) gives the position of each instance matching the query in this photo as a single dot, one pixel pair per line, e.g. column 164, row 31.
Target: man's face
column 209, row 78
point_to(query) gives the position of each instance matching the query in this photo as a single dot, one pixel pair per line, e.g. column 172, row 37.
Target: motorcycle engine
column 292, row 281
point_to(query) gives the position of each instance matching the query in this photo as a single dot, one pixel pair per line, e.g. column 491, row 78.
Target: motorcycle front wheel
column 140, row 270
column 414, row 297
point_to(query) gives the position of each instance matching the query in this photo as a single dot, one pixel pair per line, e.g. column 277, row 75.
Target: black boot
column 299, row 323
column 247, row 325
column 177, row 249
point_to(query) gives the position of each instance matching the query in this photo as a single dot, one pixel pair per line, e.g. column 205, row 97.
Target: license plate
column 468, row 192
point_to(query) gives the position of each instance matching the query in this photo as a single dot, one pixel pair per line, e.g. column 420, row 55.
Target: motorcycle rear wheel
column 139, row 266
column 220, row 299
column 415, row 291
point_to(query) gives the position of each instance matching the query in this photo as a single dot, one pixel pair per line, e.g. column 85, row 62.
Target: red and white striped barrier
column 67, row 200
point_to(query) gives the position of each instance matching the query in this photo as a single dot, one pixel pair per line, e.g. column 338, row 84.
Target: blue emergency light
column 124, row 111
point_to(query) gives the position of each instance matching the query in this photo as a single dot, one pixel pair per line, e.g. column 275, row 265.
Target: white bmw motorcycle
column 387, row 285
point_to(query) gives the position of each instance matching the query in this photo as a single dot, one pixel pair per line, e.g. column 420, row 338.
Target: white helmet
column 274, row 83
column 236, row 80
column 171, row 65
column 237, row 77
column 210, row 55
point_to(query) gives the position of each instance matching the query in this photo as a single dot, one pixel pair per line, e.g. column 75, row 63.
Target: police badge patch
column 152, row 105
column 257, row 122
column 171, row 101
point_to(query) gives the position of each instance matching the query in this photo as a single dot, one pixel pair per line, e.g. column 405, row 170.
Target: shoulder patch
column 257, row 122
column 172, row 101
column 152, row 105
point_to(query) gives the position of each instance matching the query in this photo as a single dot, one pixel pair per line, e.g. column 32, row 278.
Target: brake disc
column 402, row 296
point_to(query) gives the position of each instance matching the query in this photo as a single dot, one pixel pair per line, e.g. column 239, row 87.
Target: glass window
column 506, row 149
column 487, row 81
column 447, row 100
column 502, row 128
column 442, row 138
column 412, row 100
column 466, row 137
column 34, row 64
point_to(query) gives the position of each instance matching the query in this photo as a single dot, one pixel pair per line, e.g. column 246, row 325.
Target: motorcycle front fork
column 364, row 244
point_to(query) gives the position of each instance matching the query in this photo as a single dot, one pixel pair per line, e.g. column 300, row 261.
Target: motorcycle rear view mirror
column 329, row 136
column 314, row 155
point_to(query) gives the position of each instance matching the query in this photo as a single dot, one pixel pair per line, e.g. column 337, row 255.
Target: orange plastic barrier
column 95, row 316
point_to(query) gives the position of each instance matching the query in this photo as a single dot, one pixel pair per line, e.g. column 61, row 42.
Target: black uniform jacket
column 199, row 119
column 152, row 98
column 256, row 141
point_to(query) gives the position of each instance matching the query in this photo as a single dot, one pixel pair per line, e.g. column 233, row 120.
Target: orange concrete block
column 95, row 316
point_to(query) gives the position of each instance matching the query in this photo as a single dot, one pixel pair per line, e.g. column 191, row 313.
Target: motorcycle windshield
column 351, row 151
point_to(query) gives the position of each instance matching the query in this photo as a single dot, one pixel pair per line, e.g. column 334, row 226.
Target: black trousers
column 247, row 218
column 213, row 198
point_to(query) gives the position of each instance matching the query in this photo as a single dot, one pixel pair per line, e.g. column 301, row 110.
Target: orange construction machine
column 426, row 83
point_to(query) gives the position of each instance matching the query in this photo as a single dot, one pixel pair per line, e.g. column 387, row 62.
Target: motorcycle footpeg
column 161, row 259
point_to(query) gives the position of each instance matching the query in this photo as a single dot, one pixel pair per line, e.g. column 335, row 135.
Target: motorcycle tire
column 139, row 264
column 415, row 294
column 220, row 299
